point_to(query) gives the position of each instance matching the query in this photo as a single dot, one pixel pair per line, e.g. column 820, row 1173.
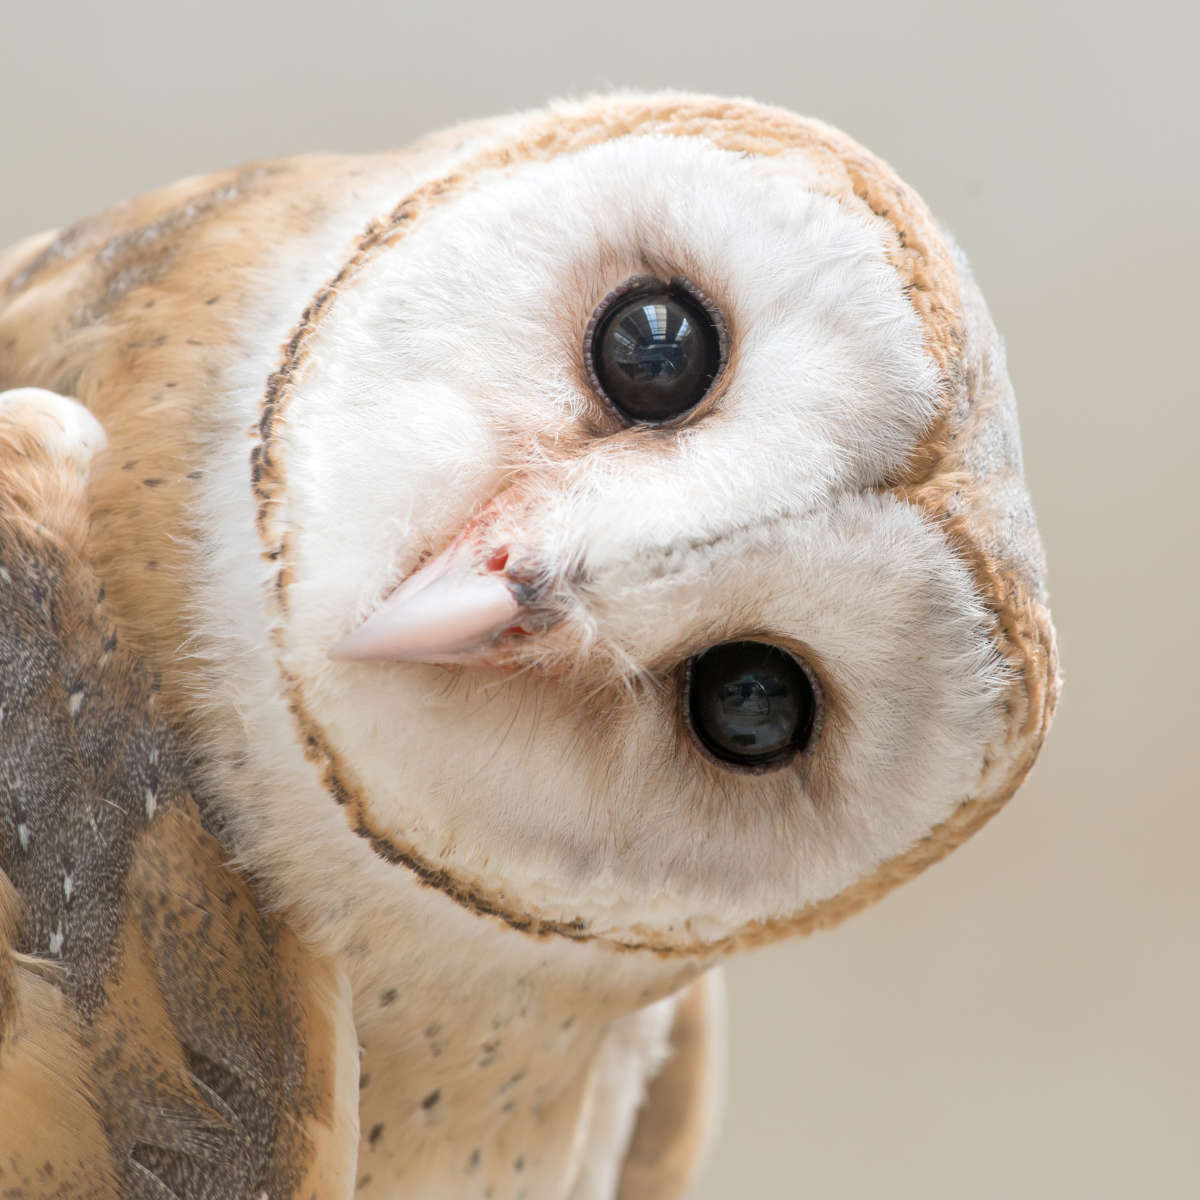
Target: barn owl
column 453, row 599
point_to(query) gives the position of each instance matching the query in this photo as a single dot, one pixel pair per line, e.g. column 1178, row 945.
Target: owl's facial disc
column 651, row 474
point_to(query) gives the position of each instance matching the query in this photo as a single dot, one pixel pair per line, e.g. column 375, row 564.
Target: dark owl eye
column 654, row 349
column 750, row 704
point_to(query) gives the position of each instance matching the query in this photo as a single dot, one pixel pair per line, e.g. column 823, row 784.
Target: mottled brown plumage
column 160, row 1036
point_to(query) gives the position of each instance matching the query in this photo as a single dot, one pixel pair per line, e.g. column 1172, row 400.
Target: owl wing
column 161, row 1036
column 675, row 1123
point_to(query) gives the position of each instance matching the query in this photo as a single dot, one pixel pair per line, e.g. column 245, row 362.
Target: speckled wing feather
column 160, row 1036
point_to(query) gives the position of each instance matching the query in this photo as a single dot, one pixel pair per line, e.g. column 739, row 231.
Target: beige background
column 1022, row 1021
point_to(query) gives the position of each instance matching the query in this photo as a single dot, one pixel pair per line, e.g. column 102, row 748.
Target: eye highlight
column 750, row 705
column 654, row 349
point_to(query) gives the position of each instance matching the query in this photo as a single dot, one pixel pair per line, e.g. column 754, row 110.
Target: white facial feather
column 453, row 367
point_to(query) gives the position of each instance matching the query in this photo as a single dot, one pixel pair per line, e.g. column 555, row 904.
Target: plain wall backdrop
column 1022, row 1020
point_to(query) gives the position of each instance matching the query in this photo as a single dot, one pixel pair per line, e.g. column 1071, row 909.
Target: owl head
column 630, row 542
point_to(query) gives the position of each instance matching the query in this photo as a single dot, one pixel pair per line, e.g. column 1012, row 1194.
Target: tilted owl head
column 631, row 539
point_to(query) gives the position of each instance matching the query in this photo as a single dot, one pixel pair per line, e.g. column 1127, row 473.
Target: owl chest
column 498, row 1066
column 474, row 1099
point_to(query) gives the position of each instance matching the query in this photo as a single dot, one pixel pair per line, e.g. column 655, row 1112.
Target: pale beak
column 454, row 609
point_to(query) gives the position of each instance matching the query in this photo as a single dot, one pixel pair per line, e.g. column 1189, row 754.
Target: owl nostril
column 498, row 561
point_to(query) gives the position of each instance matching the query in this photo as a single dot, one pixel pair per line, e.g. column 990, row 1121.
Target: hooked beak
column 457, row 607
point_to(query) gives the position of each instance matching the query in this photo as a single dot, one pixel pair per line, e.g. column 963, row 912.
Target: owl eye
column 654, row 349
column 750, row 705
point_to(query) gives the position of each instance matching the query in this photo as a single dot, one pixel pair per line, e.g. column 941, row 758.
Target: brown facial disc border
column 855, row 178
